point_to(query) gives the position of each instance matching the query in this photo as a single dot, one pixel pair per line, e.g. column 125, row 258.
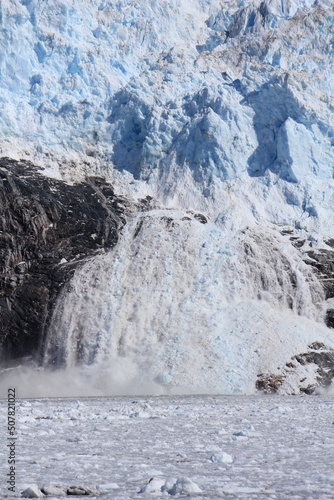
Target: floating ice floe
column 154, row 485
column 52, row 490
column 32, row 491
column 221, row 458
column 182, row 486
column 248, row 432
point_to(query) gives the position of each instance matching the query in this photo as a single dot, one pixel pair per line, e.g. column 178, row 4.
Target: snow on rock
column 304, row 373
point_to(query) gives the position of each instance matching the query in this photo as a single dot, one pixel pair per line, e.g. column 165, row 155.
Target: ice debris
column 154, row 485
column 32, row 491
column 182, row 486
column 221, row 458
column 53, row 490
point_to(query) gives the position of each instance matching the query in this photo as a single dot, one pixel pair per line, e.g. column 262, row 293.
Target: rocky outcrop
column 269, row 383
column 297, row 377
column 47, row 229
column 322, row 261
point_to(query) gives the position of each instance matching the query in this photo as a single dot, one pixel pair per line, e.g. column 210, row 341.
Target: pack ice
column 219, row 112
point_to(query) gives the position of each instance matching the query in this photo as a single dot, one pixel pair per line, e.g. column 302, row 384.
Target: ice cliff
column 190, row 97
column 220, row 109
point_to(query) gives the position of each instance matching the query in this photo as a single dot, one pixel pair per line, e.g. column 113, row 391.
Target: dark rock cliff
column 47, row 229
column 323, row 263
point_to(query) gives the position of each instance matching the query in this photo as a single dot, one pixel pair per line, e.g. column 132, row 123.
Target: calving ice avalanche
column 192, row 306
column 214, row 120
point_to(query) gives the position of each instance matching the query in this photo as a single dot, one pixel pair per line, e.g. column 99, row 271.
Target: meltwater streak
column 187, row 307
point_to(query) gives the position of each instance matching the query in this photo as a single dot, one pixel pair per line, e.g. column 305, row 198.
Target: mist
column 119, row 377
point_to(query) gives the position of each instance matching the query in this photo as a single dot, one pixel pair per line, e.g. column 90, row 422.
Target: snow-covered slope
column 219, row 108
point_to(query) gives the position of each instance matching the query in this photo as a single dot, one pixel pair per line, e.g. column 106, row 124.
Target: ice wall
column 186, row 97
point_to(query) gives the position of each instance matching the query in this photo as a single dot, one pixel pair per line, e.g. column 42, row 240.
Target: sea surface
column 192, row 446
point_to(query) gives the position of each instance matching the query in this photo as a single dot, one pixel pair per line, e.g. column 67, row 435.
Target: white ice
column 287, row 455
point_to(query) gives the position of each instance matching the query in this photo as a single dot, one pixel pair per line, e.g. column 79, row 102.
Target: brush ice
column 219, row 110
column 185, row 431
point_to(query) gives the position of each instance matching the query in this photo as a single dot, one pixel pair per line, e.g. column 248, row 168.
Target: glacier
column 220, row 110
column 189, row 98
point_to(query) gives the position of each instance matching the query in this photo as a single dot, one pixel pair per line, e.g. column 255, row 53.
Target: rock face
column 47, row 229
column 322, row 261
column 303, row 374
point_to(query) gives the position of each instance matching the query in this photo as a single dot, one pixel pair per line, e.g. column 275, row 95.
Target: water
column 282, row 447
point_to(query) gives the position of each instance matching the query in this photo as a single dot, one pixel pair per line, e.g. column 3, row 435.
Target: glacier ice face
column 187, row 97
column 62, row 64
column 259, row 15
